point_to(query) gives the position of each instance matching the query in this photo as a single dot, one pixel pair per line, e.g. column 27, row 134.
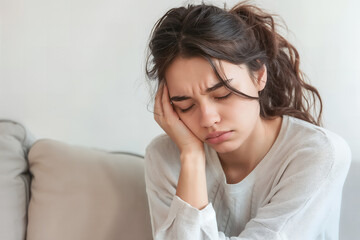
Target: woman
column 244, row 157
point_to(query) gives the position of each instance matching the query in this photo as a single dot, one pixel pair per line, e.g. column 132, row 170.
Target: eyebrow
column 209, row 90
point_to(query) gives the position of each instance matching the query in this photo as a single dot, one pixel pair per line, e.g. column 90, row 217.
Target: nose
column 209, row 115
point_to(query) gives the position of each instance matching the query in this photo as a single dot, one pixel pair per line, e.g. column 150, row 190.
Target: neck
column 251, row 152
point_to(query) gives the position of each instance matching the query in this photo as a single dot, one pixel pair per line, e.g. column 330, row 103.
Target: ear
column 261, row 78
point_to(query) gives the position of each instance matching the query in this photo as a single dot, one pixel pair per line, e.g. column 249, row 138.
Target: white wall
column 73, row 70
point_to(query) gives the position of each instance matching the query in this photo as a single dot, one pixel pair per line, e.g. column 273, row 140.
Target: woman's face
column 215, row 115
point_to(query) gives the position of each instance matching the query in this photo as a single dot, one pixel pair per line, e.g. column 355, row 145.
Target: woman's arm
column 171, row 216
column 192, row 181
column 191, row 186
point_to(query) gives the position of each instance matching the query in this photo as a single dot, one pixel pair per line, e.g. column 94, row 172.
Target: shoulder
column 161, row 143
column 307, row 159
column 315, row 147
column 160, row 148
column 162, row 161
column 317, row 139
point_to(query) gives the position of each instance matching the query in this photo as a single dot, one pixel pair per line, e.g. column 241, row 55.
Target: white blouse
column 293, row 193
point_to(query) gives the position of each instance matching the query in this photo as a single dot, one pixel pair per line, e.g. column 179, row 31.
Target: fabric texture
column 83, row 194
column 293, row 193
column 14, row 180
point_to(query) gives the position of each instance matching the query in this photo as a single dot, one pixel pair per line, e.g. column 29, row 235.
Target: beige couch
column 50, row 190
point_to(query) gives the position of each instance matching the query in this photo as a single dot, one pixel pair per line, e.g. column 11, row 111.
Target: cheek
column 189, row 120
column 243, row 112
column 192, row 122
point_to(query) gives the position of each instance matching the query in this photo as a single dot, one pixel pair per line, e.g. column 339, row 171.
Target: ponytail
column 286, row 91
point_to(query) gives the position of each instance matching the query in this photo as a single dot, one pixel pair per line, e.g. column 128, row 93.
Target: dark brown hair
column 246, row 35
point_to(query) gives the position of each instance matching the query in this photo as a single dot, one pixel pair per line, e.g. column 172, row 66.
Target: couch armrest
column 14, row 180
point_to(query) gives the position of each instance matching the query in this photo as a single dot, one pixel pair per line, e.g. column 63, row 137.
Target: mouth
column 218, row 136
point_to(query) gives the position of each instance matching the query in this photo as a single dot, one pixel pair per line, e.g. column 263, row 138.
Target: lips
column 216, row 134
column 218, row 137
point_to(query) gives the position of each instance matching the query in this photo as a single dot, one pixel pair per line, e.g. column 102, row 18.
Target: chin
column 224, row 147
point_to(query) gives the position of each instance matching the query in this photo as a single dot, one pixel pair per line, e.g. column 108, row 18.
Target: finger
column 167, row 107
column 165, row 97
column 158, row 110
column 166, row 100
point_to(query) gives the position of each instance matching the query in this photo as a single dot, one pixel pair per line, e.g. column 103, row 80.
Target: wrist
column 192, row 158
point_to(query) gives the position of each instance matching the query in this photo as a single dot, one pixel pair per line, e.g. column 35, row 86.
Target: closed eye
column 186, row 109
column 217, row 98
column 223, row 97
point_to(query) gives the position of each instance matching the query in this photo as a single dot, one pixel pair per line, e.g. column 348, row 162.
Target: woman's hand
column 191, row 186
column 170, row 121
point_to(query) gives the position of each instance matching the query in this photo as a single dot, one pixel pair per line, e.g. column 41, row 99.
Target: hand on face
column 171, row 123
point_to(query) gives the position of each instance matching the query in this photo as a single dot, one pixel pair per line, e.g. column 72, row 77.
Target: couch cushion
column 350, row 210
column 14, row 180
column 82, row 194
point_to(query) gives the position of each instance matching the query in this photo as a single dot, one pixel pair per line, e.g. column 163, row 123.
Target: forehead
column 186, row 73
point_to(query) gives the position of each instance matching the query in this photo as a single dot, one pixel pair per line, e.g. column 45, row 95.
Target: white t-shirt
column 293, row 193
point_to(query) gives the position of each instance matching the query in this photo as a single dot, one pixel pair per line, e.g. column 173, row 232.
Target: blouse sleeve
column 307, row 193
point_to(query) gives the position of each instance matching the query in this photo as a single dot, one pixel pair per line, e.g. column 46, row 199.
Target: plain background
column 73, row 70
